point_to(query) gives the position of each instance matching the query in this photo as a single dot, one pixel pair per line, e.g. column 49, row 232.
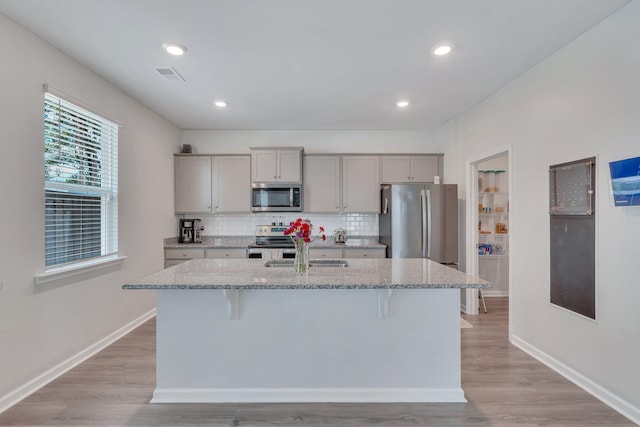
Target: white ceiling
column 310, row 64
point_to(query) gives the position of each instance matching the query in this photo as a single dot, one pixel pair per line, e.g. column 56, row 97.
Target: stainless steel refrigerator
column 420, row 221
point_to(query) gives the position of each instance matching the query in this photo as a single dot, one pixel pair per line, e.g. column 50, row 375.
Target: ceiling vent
column 170, row 73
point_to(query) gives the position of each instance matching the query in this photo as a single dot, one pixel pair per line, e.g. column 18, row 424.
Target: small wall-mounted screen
column 625, row 181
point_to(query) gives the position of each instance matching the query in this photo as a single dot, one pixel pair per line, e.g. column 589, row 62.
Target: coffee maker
column 190, row 231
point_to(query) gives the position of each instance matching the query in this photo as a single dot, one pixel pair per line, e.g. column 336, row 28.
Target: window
column 81, row 184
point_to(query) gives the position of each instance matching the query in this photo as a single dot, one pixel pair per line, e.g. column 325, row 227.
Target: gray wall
column 42, row 327
column 580, row 102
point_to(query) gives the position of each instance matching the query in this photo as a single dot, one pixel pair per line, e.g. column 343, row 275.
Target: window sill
column 76, row 269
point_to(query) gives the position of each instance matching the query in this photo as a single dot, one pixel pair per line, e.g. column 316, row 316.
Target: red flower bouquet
column 300, row 232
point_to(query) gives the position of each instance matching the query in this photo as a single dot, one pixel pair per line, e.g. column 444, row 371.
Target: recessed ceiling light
column 175, row 48
column 220, row 103
column 403, row 103
column 442, row 49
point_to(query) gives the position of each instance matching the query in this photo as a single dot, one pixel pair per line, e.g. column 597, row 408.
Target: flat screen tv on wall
column 625, row 181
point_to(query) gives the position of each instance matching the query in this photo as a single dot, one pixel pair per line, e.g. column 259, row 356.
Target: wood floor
column 504, row 386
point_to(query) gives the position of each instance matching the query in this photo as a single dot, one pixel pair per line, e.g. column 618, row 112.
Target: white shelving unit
column 493, row 236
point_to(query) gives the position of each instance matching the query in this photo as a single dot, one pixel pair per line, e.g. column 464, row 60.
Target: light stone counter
column 379, row 330
column 360, row 274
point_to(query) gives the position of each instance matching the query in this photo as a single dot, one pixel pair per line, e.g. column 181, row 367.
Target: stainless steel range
column 272, row 237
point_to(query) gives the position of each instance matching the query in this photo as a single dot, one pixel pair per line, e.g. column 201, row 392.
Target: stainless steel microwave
column 274, row 197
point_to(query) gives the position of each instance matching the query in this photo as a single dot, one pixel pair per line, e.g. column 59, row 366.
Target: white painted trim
column 494, row 294
column 300, row 395
column 30, row 387
column 463, row 307
column 573, row 313
column 47, row 88
column 78, row 268
column 471, row 194
column 596, row 390
column 471, row 297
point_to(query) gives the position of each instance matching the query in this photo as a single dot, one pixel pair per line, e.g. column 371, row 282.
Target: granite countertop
column 384, row 273
column 231, row 242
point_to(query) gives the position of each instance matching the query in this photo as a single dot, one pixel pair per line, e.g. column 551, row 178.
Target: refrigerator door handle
column 429, row 215
column 385, row 209
column 423, row 206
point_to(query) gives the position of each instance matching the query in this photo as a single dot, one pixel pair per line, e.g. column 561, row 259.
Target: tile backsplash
column 245, row 224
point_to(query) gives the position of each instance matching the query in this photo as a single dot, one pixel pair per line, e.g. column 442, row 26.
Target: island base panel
column 308, row 345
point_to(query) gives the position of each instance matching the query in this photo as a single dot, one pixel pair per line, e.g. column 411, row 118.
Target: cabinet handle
column 226, row 255
column 364, row 255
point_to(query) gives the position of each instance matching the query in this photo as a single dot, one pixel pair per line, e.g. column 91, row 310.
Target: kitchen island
column 377, row 330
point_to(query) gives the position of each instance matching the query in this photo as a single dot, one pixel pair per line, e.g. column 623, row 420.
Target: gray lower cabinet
column 365, row 253
column 226, row 253
column 337, row 253
column 325, row 253
column 173, row 256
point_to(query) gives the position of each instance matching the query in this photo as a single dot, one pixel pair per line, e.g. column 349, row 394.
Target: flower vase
column 301, row 262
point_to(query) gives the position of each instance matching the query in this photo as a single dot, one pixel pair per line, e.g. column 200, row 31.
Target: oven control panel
column 270, row 230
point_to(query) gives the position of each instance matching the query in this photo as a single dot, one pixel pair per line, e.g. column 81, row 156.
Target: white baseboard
column 495, row 294
column 45, row 378
column 599, row 392
column 306, row 395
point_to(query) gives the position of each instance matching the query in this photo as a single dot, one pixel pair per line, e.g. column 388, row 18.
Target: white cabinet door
column 289, row 162
column 322, row 184
column 263, row 166
column 410, row 168
column 232, row 184
column 424, row 168
column 192, row 184
column 360, row 184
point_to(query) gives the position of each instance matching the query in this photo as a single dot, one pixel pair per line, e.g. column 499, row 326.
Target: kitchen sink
column 312, row 263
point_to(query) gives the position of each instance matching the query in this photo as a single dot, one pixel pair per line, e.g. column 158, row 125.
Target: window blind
column 81, row 183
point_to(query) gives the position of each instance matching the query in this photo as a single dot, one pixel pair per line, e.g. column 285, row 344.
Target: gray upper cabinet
column 231, row 184
column 192, row 184
column 411, row 168
column 360, row 184
column 341, row 184
column 212, row 184
column 322, row 184
column 276, row 165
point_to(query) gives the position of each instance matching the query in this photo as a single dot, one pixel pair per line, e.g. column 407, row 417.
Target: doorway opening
column 489, row 221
